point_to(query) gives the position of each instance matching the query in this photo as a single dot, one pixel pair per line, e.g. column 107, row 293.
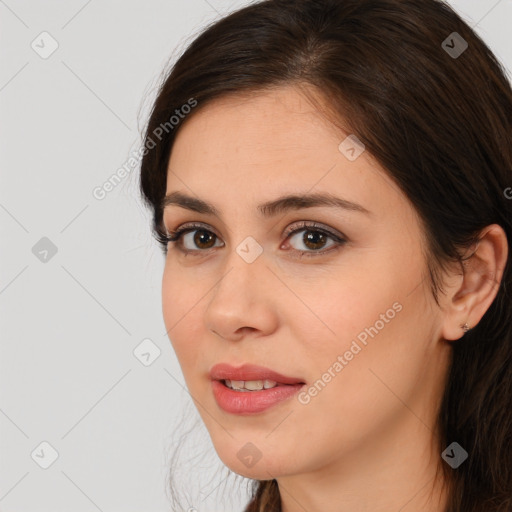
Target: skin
column 368, row 439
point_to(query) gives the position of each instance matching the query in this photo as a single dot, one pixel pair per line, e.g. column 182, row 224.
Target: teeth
column 254, row 385
column 237, row 384
column 250, row 385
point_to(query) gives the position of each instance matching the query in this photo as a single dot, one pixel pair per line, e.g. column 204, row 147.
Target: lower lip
column 249, row 402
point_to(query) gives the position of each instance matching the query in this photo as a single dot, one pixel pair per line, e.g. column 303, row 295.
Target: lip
column 251, row 402
column 246, row 372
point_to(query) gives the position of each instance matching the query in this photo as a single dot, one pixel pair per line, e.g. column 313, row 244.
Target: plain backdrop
column 89, row 384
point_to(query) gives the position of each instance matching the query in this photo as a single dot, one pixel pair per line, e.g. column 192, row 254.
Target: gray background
column 70, row 321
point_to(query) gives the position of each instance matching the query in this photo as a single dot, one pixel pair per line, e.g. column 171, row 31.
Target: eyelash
column 176, row 236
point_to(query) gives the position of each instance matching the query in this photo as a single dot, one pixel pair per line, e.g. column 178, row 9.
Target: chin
column 262, row 470
column 247, row 460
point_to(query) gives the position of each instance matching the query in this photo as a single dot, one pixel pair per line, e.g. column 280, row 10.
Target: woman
column 330, row 183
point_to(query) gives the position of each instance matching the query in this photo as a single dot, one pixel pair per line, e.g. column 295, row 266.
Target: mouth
column 250, row 385
column 251, row 377
column 251, row 389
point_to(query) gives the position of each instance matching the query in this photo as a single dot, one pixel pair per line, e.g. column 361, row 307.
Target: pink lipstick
column 250, row 389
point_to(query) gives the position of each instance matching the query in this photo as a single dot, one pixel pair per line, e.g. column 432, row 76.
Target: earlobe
column 481, row 279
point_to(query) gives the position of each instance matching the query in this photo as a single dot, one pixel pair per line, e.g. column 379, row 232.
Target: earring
column 465, row 327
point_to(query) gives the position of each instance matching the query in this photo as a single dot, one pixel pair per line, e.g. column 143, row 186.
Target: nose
column 243, row 302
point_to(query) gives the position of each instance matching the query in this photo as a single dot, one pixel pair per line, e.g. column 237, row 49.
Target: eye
column 196, row 238
column 314, row 239
column 195, row 235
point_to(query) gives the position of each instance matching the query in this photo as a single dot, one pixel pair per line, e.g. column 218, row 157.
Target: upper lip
column 224, row 371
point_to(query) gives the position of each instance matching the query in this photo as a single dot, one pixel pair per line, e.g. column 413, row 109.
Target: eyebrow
column 270, row 208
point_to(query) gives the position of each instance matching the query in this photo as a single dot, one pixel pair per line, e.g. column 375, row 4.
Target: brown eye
column 193, row 239
column 312, row 239
column 197, row 240
column 203, row 239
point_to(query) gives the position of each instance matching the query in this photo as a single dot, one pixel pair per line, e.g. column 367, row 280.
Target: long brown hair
column 435, row 109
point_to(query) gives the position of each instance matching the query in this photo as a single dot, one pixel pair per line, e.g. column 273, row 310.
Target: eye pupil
column 199, row 239
column 312, row 237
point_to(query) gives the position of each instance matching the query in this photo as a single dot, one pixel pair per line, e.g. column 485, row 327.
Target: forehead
column 261, row 145
column 282, row 118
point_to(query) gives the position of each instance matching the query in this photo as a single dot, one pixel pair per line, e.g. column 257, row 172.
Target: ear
column 468, row 301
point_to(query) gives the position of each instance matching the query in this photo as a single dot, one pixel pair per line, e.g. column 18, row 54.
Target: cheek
column 379, row 353
column 342, row 307
column 371, row 298
column 367, row 322
column 180, row 308
column 172, row 300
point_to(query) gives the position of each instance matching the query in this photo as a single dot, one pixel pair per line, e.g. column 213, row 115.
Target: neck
column 400, row 471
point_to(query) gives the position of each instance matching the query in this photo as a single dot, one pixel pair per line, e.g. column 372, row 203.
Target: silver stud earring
column 465, row 327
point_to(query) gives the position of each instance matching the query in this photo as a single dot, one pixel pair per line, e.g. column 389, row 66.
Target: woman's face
column 352, row 319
